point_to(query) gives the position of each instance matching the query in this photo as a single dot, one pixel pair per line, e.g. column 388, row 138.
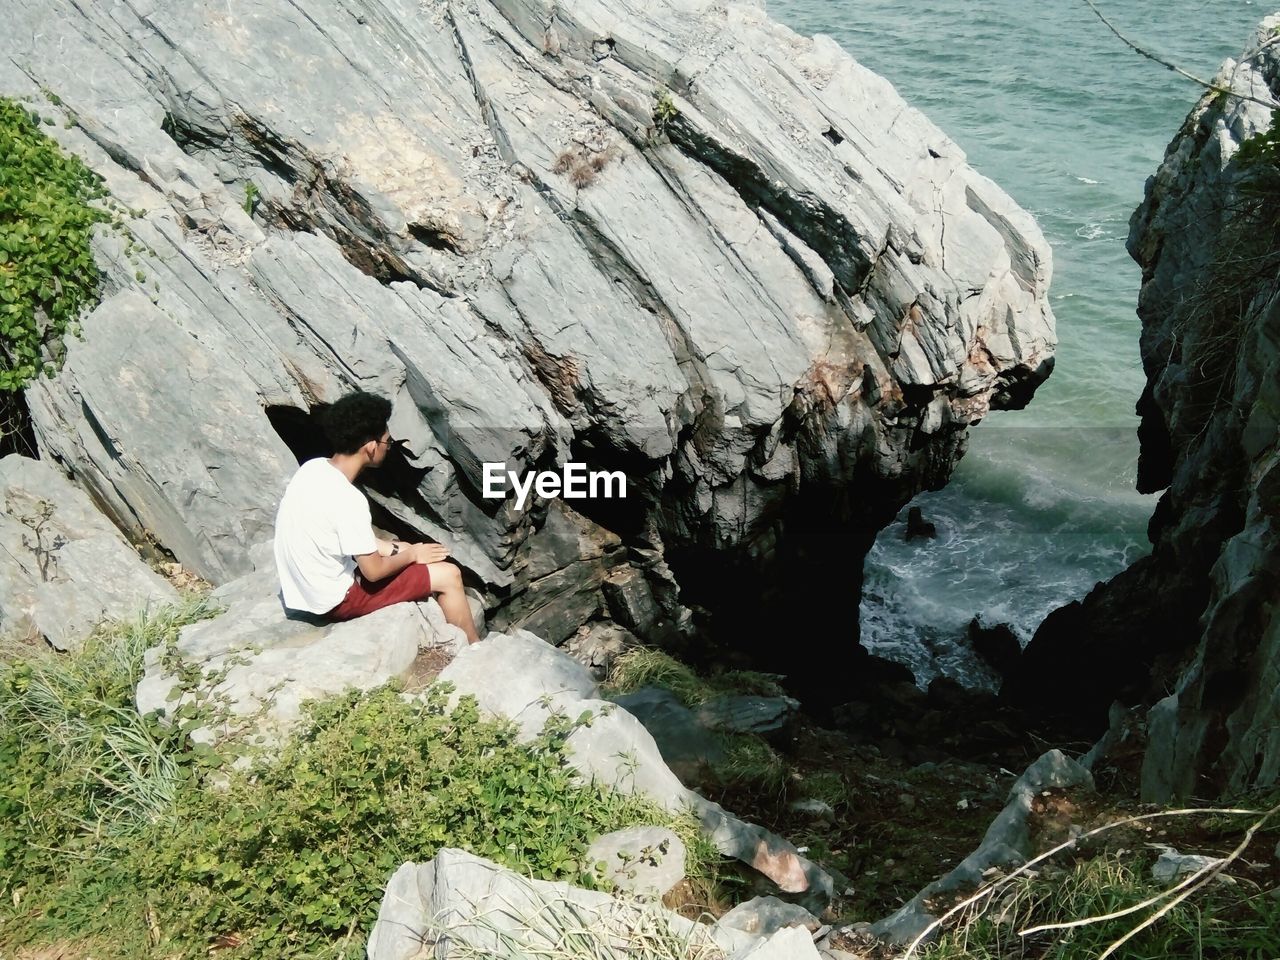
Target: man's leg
column 411, row 583
column 446, row 584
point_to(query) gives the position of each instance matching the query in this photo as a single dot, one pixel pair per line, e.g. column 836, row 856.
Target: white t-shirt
column 322, row 524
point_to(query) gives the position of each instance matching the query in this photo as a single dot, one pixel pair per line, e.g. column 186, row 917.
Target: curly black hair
column 352, row 421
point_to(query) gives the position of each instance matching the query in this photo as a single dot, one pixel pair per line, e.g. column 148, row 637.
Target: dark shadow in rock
column 997, row 645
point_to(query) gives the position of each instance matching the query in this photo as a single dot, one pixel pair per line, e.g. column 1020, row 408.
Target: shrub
column 77, row 762
column 665, row 112
column 47, row 271
column 107, row 817
column 292, row 856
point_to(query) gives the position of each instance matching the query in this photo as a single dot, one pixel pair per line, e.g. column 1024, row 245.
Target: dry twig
column 987, row 891
column 1208, row 85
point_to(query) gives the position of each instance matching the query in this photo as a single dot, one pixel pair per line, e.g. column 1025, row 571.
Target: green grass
column 553, row 928
column 648, row 667
column 1236, row 920
column 111, row 834
column 78, row 760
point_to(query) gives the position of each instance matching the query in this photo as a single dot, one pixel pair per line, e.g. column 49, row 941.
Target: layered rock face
column 670, row 238
column 1203, row 606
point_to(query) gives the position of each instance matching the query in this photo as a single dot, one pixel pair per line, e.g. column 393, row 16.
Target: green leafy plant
column 47, row 273
column 289, row 855
column 251, row 197
column 665, row 112
column 292, row 855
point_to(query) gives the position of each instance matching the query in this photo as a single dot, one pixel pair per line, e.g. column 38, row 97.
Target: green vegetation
column 750, row 763
column 47, row 273
column 665, row 112
column 251, row 197
column 126, row 837
column 108, row 819
column 79, row 763
column 645, row 667
column 1082, row 909
column 566, row 931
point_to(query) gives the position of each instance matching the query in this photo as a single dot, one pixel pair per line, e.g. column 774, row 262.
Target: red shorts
column 411, row 583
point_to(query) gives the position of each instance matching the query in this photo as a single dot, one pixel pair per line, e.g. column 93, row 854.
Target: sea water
column 1047, row 102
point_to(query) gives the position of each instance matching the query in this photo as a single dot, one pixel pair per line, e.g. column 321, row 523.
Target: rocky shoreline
column 683, row 243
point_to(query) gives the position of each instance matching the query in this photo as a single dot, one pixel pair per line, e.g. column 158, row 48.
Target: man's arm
column 392, row 556
column 383, row 562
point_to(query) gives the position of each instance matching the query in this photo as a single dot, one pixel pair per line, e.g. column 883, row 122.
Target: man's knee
column 444, row 576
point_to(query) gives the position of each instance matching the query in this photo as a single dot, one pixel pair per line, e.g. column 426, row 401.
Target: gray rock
column 596, row 645
column 796, row 244
column 748, row 714
column 64, row 568
column 645, row 861
column 458, row 898
column 521, row 677
column 1007, row 843
column 561, row 570
column 824, row 810
column 158, row 424
column 686, row 745
column 764, row 916
column 265, row 664
column 619, row 752
column 789, row 943
column 631, row 602
column 1171, row 866
column 1210, row 438
column 614, row 748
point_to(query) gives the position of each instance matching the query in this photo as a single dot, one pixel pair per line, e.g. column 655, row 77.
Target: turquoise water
column 1070, row 122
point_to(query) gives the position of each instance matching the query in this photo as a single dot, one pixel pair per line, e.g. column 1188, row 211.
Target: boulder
column 764, row 916
column 644, row 861
column 789, row 943
column 686, row 745
column 458, row 898
column 996, row 644
column 741, row 713
column 597, row 644
column 264, row 661
column 1198, row 615
column 64, row 568
column 1172, row 866
column 518, row 675
column 918, row 528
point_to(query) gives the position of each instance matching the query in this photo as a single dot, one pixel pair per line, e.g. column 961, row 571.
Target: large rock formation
column 671, row 238
column 1204, row 604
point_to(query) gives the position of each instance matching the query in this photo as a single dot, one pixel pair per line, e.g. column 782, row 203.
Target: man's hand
column 429, row 552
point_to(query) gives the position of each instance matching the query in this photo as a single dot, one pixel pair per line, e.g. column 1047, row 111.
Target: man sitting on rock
column 327, row 556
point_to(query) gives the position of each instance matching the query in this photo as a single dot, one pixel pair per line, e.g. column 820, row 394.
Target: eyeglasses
column 405, row 452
